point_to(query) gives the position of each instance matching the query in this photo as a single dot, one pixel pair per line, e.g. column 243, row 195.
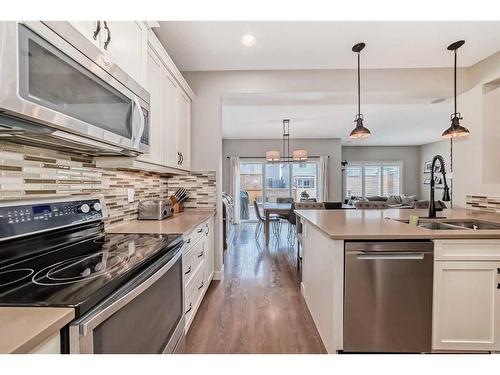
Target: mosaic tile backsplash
column 483, row 203
column 35, row 172
column 200, row 186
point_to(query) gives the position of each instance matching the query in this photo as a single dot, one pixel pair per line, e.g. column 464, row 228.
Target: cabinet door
column 170, row 88
column 466, row 311
column 209, row 249
column 155, row 88
column 88, row 28
column 183, row 128
column 127, row 47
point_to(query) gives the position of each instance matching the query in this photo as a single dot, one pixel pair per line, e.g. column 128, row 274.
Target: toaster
column 154, row 209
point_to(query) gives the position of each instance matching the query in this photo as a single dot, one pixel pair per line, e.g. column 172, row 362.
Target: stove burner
column 15, row 275
column 79, row 269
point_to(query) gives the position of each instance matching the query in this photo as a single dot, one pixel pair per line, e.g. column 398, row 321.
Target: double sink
column 455, row 224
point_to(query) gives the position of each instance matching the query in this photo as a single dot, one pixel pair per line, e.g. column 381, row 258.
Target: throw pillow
column 408, row 200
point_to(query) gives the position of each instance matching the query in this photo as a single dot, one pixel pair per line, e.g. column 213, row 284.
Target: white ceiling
column 215, row 45
column 392, row 120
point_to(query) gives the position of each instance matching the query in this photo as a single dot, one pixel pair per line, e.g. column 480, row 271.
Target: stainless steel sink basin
column 475, row 224
column 450, row 224
column 436, row 225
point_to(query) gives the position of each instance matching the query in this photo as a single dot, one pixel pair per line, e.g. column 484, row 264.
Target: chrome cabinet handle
column 498, row 286
column 201, row 254
column 97, row 30
column 188, row 271
column 108, row 39
column 178, row 158
column 201, row 286
column 182, row 158
column 199, row 230
column 190, row 307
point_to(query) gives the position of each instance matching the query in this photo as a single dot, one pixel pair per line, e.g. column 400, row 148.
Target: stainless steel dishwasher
column 388, row 296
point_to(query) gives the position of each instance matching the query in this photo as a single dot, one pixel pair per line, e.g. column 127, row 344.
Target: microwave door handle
column 142, row 123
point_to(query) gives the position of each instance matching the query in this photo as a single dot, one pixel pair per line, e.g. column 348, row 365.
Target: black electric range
column 55, row 253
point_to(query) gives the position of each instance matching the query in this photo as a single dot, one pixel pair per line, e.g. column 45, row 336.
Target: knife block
column 176, row 206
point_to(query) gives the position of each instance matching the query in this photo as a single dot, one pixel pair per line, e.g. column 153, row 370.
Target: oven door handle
column 105, row 311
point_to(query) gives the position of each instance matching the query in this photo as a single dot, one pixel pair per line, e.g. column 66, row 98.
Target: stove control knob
column 84, row 208
column 96, row 207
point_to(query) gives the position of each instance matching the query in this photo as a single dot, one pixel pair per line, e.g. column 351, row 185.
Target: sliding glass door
column 251, row 188
column 266, row 182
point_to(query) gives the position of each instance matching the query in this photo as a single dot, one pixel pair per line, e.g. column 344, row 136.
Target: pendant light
column 297, row 155
column 359, row 131
column 455, row 130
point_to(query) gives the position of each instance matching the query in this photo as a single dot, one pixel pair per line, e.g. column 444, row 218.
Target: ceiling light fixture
column 297, row 155
column 359, row 131
column 455, row 130
column 248, row 40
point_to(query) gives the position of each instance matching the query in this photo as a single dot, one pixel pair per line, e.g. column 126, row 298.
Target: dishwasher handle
column 397, row 255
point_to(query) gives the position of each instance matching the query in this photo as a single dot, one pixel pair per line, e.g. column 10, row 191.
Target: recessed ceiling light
column 248, row 40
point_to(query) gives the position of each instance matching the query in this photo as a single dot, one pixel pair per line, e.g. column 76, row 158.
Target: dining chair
column 284, row 200
column 333, row 205
column 274, row 220
column 308, row 200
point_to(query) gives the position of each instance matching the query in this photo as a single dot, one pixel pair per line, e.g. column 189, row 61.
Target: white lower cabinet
column 466, row 301
column 198, row 268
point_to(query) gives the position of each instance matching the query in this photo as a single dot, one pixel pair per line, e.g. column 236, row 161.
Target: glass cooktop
column 76, row 272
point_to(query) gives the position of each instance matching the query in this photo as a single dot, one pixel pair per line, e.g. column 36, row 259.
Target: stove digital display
column 41, row 209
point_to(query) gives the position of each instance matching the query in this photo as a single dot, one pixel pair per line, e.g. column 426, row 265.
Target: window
column 370, row 179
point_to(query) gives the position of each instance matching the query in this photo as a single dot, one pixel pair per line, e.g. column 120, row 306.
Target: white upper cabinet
column 170, row 109
column 90, row 29
column 125, row 42
column 183, row 128
column 170, row 89
column 156, row 118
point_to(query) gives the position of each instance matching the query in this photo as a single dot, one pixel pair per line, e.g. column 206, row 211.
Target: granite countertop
column 183, row 222
column 24, row 328
column 377, row 224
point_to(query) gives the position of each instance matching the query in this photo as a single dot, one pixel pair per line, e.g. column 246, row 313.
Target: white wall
column 409, row 155
column 315, row 147
column 469, row 176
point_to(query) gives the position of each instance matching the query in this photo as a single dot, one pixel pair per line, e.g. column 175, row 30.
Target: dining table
column 273, row 208
column 280, row 209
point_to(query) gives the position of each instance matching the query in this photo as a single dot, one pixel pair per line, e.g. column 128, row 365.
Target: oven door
column 146, row 316
column 55, row 79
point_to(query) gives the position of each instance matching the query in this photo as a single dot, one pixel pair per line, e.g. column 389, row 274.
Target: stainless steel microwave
column 59, row 90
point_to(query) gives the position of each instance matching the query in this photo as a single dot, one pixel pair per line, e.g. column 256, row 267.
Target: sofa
column 393, row 201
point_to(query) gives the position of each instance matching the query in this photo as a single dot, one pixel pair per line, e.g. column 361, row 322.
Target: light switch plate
column 130, row 194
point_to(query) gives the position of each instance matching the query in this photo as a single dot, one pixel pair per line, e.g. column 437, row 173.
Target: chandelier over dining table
column 297, row 155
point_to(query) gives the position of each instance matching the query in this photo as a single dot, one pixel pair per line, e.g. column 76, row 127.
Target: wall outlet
column 130, row 195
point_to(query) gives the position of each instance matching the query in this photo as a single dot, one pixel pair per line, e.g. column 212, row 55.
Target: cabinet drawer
column 193, row 295
column 193, row 258
column 467, row 250
column 194, row 236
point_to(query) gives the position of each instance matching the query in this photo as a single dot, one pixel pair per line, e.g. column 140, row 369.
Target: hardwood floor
column 258, row 307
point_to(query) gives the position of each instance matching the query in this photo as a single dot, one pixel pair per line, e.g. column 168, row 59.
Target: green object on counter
column 413, row 220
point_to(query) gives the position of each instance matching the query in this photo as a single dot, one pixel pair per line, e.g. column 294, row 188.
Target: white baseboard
column 219, row 275
column 303, row 290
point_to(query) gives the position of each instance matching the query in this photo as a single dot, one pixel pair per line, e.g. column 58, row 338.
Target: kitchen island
column 466, row 264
